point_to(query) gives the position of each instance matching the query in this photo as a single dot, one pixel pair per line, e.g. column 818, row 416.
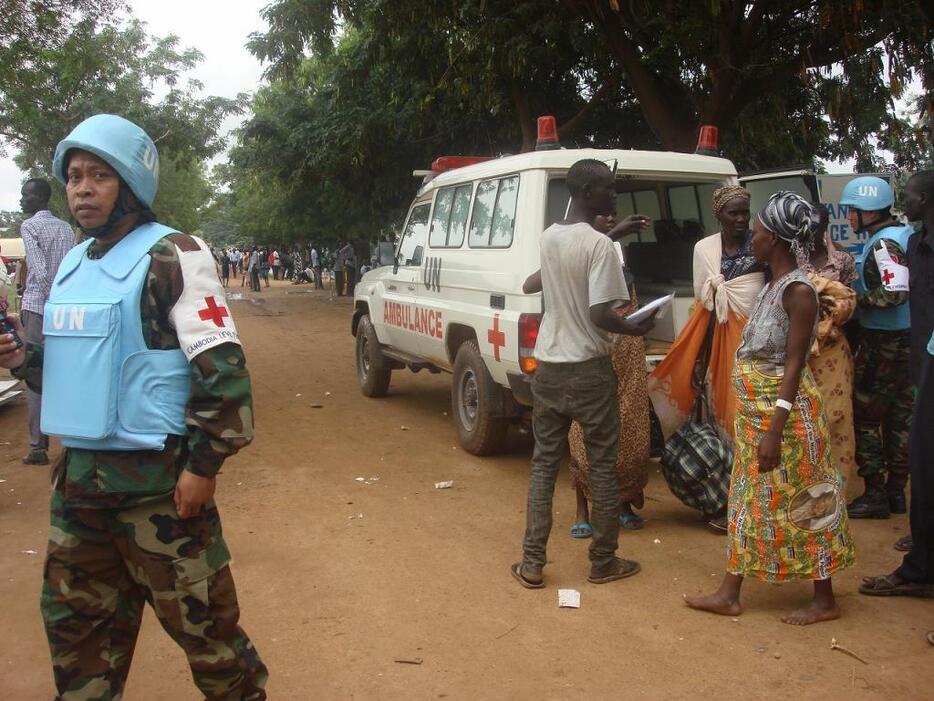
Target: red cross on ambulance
column 496, row 337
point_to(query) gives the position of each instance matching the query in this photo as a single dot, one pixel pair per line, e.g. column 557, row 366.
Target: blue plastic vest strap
column 895, row 318
column 102, row 388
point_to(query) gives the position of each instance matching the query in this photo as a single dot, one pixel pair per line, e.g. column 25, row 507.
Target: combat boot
column 873, row 504
column 897, row 502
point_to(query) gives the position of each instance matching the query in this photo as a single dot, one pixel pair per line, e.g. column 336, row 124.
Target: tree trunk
column 523, row 116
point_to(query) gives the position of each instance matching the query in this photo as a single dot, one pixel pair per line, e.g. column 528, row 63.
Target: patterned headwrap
column 724, row 194
column 793, row 219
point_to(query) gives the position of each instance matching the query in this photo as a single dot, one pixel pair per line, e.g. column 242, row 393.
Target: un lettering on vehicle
column 427, row 322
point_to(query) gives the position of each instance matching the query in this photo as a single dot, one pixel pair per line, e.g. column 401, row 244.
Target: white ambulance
column 451, row 298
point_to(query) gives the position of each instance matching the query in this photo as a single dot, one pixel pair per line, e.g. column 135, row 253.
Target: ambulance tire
column 472, row 397
column 373, row 370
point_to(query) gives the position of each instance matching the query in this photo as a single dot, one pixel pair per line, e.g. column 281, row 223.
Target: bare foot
column 715, row 603
column 812, row 613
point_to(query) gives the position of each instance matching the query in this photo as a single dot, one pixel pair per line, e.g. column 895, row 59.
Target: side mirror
column 385, row 254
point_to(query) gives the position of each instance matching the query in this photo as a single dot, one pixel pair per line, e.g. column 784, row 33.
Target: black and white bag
column 697, row 463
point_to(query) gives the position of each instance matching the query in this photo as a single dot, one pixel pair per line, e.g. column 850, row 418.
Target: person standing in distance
column 46, row 239
column 144, row 380
column 582, row 282
column 882, row 381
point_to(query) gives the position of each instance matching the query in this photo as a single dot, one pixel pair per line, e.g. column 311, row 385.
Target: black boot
column 897, row 502
column 873, row 504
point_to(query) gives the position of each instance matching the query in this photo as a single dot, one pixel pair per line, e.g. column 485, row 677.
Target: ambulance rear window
column 449, row 219
column 494, row 213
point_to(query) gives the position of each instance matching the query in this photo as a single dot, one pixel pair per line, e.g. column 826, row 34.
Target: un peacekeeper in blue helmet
column 882, row 395
column 144, row 381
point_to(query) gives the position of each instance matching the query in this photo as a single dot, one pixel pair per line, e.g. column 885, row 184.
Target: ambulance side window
column 449, row 220
column 412, row 244
column 494, row 213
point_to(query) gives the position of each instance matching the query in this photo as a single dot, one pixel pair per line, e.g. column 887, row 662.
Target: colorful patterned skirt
column 634, row 428
column 791, row 522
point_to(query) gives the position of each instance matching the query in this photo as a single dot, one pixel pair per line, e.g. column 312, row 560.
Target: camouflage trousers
column 882, row 403
column 103, row 564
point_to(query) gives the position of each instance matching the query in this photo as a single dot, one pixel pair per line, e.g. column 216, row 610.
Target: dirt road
column 339, row 578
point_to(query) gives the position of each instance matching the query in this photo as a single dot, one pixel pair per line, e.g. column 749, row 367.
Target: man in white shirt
column 582, row 283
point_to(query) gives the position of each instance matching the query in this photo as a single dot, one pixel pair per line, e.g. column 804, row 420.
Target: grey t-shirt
column 580, row 269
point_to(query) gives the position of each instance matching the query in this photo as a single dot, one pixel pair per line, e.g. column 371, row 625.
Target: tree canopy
column 64, row 60
column 363, row 92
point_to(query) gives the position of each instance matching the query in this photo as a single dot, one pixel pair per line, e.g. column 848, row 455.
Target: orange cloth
column 670, row 388
column 670, row 383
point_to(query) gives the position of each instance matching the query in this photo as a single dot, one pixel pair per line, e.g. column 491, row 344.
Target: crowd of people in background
column 297, row 264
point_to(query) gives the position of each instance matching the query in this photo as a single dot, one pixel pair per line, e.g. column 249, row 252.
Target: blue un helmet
column 868, row 194
column 121, row 144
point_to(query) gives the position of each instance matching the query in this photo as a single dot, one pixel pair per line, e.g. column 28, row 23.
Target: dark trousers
column 882, row 400
column 918, row 564
column 254, row 280
column 339, row 282
column 32, row 330
column 351, row 276
column 584, row 392
column 318, row 284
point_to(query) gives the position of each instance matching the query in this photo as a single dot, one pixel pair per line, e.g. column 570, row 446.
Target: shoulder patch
column 185, row 243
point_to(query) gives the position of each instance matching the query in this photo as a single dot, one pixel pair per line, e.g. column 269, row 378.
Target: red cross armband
column 893, row 273
column 201, row 316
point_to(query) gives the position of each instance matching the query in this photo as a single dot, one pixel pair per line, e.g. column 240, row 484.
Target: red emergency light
column 444, row 163
column 708, row 141
column 547, row 134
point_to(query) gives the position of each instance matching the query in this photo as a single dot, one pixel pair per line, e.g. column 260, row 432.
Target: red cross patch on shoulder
column 213, row 312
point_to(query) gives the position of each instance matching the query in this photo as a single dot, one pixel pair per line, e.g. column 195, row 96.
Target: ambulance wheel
column 472, row 398
column 373, row 371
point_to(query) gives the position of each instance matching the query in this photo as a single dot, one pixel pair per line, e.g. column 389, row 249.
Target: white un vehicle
column 451, row 299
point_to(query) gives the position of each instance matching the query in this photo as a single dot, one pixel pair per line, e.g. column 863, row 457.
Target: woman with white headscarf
column 787, row 512
column 727, row 278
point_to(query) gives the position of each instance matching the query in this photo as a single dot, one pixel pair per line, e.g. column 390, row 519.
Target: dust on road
column 340, row 577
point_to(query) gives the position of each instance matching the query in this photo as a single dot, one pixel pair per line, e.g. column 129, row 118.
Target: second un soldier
column 144, row 380
column 882, row 384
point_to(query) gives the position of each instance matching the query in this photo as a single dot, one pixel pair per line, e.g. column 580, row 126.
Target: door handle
column 411, row 288
column 390, row 287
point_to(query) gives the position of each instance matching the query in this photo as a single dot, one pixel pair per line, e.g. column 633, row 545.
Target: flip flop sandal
column 582, row 530
column 884, row 586
column 930, row 637
column 631, row 522
column 623, row 569
column 516, row 570
column 719, row 524
column 903, row 544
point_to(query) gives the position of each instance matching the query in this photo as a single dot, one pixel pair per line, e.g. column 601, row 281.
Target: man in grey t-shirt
column 582, row 283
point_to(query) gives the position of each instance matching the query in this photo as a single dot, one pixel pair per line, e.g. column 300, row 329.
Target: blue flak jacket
column 894, row 318
column 102, row 388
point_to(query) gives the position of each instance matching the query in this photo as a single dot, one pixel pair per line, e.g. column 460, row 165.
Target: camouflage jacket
column 218, row 414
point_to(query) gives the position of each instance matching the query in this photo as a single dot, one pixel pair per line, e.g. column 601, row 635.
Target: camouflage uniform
column 116, row 540
column 882, row 394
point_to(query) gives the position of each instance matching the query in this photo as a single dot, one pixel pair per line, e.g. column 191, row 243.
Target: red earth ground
column 339, row 578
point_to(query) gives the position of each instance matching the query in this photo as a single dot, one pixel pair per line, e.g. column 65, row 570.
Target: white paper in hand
column 644, row 312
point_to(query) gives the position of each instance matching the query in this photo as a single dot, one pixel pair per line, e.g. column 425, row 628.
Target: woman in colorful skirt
column 831, row 360
column 787, row 513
